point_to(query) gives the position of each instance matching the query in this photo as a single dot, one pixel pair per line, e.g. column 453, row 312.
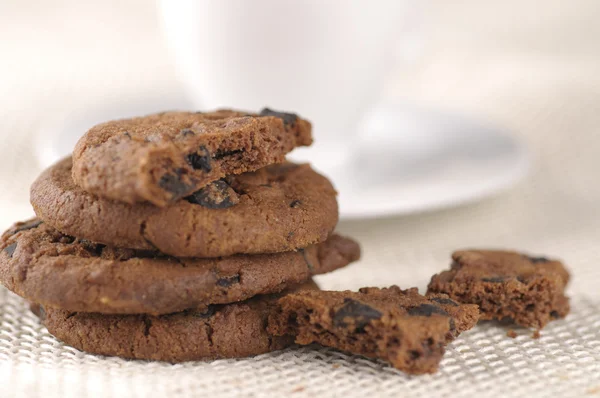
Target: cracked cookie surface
column 399, row 326
column 507, row 285
column 163, row 157
column 275, row 209
column 53, row 269
column 222, row 331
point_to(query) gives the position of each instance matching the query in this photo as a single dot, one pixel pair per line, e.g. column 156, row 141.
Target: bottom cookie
column 223, row 331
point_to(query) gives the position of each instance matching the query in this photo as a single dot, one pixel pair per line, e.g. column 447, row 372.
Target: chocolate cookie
column 223, row 331
column 56, row 270
column 163, row 157
column 527, row 290
column 277, row 208
column 400, row 326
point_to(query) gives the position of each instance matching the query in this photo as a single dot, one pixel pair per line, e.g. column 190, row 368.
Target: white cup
column 323, row 59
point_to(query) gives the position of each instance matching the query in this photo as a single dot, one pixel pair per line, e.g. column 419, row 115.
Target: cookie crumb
column 536, row 334
column 512, row 334
column 299, row 389
column 336, row 366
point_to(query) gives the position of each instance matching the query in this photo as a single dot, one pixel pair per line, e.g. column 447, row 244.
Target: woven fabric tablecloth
column 530, row 69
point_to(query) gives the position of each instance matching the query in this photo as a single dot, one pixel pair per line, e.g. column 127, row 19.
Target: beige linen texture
column 532, row 69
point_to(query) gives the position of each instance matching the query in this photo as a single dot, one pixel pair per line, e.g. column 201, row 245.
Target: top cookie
column 163, row 157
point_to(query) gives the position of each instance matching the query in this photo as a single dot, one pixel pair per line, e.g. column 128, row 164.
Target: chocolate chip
column 147, row 325
column 554, row 314
column 442, row 300
column 91, row 247
column 414, row 355
column 25, row 226
column 210, row 311
column 223, row 154
column 172, row 183
column 41, row 313
column 288, row 118
column 361, row 313
column 187, row 132
column 426, row 310
column 536, row 260
column 200, row 160
column 228, row 280
column 452, row 325
column 217, row 195
column 66, row 239
column 496, row 279
column 306, row 260
column 10, row 249
column 295, row 204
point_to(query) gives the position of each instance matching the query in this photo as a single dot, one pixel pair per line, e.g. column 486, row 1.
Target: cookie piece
column 56, row 270
column 527, row 290
column 222, row 331
column 277, row 208
column 400, row 326
column 163, row 157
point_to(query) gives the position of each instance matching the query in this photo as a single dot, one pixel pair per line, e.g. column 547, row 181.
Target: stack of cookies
column 185, row 236
column 170, row 237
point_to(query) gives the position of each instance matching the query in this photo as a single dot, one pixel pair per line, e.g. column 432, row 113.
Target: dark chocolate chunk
column 200, row 160
column 222, row 154
column 228, row 280
column 444, row 301
column 186, row 132
column 536, row 260
column 210, row 311
column 93, row 248
column 426, row 310
column 25, row 226
column 66, row 239
column 452, row 325
column 306, row 260
column 41, row 312
column 147, row 325
column 295, row 204
column 288, row 118
column 361, row 313
column 496, row 279
column 172, row 183
column 216, row 195
column 10, row 249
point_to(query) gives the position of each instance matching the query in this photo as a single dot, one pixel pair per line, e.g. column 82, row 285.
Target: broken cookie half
column 399, row 326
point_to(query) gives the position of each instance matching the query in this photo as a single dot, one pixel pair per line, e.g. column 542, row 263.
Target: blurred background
column 527, row 68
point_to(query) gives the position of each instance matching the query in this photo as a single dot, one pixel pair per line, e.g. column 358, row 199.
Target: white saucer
column 406, row 159
column 410, row 160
